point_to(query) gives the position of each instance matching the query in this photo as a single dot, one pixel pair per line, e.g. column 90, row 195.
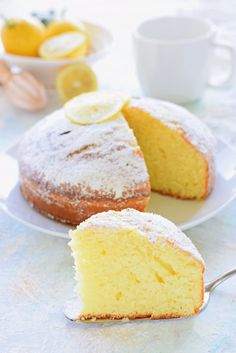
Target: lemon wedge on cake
column 95, row 107
column 75, row 79
column 64, row 46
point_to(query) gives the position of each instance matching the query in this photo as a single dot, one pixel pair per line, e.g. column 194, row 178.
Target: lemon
column 95, row 107
column 62, row 26
column 22, row 37
column 64, row 46
column 75, row 79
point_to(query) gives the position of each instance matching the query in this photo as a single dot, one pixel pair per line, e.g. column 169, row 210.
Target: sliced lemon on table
column 64, row 46
column 75, row 79
column 95, row 107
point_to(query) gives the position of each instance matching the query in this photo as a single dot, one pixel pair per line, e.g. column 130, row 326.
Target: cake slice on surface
column 178, row 148
column 134, row 265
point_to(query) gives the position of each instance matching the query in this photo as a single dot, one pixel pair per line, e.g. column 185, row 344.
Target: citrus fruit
column 62, row 26
column 22, row 37
column 64, row 46
column 75, row 79
column 95, row 107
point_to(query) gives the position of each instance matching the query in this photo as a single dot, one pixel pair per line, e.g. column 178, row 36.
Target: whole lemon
column 62, row 26
column 22, row 37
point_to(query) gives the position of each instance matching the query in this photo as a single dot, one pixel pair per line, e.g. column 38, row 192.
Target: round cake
column 69, row 171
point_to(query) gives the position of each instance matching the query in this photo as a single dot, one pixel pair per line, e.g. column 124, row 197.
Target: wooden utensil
column 22, row 88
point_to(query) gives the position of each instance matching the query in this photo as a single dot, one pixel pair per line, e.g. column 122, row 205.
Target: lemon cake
column 132, row 265
column 69, row 171
column 178, row 148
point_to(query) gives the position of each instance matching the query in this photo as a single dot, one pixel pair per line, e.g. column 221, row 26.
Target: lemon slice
column 75, row 79
column 95, row 107
column 63, row 46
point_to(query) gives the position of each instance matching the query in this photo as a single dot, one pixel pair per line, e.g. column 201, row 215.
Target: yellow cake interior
column 120, row 274
column 175, row 167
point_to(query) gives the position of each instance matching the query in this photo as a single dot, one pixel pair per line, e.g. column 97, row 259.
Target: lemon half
column 63, row 46
column 75, row 79
column 57, row 27
column 95, row 107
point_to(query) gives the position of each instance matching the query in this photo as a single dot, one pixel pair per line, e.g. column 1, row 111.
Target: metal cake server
column 72, row 308
column 209, row 287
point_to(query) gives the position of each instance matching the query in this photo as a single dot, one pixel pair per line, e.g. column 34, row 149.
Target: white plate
column 185, row 214
column 46, row 70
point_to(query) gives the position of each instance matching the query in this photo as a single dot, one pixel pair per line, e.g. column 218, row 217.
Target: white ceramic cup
column 174, row 57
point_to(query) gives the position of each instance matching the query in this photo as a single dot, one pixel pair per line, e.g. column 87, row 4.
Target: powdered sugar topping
column 100, row 160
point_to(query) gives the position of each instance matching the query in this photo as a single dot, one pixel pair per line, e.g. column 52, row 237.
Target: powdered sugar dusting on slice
column 101, row 160
column 150, row 225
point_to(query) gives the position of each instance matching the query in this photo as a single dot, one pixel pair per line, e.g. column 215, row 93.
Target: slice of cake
column 135, row 265
column 69, row 171
column 178, row 148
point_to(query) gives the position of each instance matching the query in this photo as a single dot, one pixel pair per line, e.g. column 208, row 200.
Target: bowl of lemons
column 44, row 45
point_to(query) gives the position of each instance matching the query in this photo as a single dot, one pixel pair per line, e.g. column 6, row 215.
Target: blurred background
column 116, row 70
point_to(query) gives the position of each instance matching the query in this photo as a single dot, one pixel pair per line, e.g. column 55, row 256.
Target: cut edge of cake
column 191, row 128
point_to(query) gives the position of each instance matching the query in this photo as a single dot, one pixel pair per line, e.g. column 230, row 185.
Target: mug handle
column 227, row 79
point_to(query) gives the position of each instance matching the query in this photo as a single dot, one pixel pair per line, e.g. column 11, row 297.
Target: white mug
column 174, row 57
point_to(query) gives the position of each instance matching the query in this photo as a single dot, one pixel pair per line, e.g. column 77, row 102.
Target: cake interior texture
column 174, row 165
column 121, row 274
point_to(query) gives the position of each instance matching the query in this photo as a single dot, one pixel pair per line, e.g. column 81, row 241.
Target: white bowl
column 46, row 70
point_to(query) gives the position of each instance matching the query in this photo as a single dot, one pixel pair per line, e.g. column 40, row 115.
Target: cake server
column 72, row 308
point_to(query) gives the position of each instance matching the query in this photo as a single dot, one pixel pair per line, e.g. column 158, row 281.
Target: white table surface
column 36, row 275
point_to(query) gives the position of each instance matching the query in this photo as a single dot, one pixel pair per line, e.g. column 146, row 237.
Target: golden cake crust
column 60, row 209
column 131, row 317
